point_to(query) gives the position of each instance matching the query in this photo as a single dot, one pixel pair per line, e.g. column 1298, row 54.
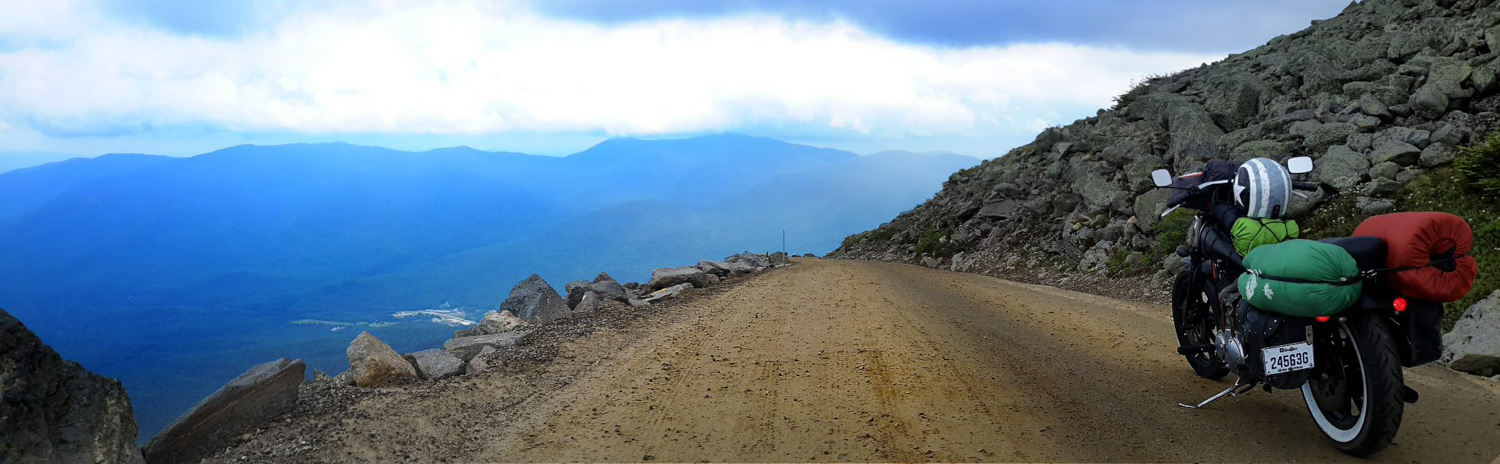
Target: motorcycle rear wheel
column 1355, row 396
column 1193, row 317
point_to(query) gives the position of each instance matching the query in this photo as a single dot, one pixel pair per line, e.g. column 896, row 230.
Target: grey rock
column 256, row 397
column 1386, row 170
column 1327, row 135
column 575, row 291
column 667, row 277
column 466, row 347
column 1436, row 155
column 603, row 277
column 1342, row 168
column 1361, row 142
column 1382, row 187
column 497, row 322
column 609, row 290
column 535, row 302
column 374, row 364
column 1260, row 149
column 1429, row 102
column 435, row 364
column 1191, row 128
column 1364, row 123
column 1396, row 151
column 589, row 303
column 999, row 209
column 1374, row 205
column 1473, row 345
column 320, row 377
column 1447, row 134
column 714, row 267
column 1304, row 128
column 345, row 378
column 55, row 410
column 482, row 361
column 714, row 279
column 931, row 262
column 1372, row 106
column 667, row 293
column 757, row 261
column 1409, row 174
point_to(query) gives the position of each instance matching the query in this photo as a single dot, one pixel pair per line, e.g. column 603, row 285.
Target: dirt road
column 859, row 361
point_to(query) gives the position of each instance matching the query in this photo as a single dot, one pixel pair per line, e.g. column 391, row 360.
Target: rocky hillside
column 1380, row 96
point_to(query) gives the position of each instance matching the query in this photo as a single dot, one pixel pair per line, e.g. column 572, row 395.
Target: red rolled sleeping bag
column 1425, row 241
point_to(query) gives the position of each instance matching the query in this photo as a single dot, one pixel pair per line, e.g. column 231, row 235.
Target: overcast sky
column 553, row 77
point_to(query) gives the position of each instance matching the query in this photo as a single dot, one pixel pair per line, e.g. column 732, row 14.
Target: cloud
column 493, row 68
column 1183, row 25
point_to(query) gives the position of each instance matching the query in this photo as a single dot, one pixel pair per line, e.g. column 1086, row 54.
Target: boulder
column 714, row 267
column 667, row 293
column 610, row 290
column 714, row 279
column 465, row 348
column 1370, row 205
column 758, row 261
column 435, row 364
column 374, row 364
column 575, row 291
column 1383, row 186
column 55, row 410
column 738, row 268
column 1327, row 135
column 1473, row 345
column 588, row 303
column 667, row 277
column 496, row 322
column 481, row 361
column 1396, row 151
column 256, row 397
column 1436, row 155
column 1385, row 170
column 1342, row 168
column 535, row 302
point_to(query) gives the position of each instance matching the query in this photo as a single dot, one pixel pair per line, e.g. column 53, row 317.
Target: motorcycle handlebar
column 1309, row 186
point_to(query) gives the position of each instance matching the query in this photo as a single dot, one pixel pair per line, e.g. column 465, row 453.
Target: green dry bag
column 1300, row 278
column 1251, row 233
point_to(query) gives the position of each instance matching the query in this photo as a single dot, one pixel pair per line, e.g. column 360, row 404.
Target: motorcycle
column 1348, row 366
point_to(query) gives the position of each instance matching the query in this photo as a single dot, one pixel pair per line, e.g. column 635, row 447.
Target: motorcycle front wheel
column 1193, row 317
column 1355, row 394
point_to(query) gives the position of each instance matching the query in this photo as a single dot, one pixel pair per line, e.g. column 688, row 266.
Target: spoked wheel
column 1355, row 394
column 1193, row 316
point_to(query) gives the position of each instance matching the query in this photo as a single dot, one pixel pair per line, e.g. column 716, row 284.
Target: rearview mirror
column 1163, row 177
column 1299, row 165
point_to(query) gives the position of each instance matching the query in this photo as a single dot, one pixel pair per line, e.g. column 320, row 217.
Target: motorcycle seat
column 1368, row 252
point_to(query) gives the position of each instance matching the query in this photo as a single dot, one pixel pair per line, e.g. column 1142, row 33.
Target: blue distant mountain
column 175, row 274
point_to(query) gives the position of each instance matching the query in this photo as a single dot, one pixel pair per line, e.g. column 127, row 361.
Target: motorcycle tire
column 1360, row 412
column 1192, row 316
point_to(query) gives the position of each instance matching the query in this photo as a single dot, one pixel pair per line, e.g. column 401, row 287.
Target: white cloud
column 482, row 68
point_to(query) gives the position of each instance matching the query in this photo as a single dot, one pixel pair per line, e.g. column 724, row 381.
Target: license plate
column 1287, row 358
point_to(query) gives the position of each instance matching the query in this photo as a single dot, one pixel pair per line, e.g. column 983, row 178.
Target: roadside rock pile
column 55, row 410
column 531, row 303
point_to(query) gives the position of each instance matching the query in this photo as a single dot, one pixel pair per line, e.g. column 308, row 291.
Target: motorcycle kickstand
column 1234, row 390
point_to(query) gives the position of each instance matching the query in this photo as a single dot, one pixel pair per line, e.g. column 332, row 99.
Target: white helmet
column 1263, row 188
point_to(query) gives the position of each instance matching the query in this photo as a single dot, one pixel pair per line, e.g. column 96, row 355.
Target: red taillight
column 1321, row 318
column 1399, row 304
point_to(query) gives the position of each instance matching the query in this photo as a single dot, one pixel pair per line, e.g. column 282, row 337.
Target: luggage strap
column 1361, row 276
